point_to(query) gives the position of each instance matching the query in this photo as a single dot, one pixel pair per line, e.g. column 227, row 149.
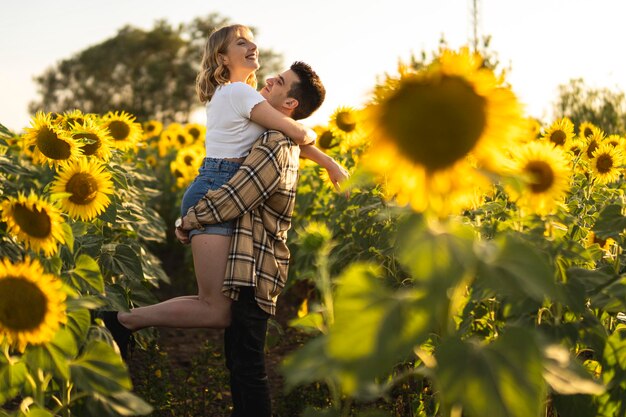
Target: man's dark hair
column 309, row 92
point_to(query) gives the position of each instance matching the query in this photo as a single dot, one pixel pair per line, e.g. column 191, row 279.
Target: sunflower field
column 471, row 266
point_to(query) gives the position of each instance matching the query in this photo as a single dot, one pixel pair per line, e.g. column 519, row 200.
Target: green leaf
column 123, row 261
column 610, row 223
column 68, row 236
column 611, row 298
column 78, row 323
column 100, row 370
column 122, row 403
column 12, row 377
column 513, row 268
column 502, row 379
column 308, row 364
column 567, row 376
column 88, row 270
column 376, row 326
column 35, row 411
column 312, row 322
column 53, row 356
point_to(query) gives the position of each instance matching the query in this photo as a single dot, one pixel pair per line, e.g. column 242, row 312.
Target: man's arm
column 251, row 185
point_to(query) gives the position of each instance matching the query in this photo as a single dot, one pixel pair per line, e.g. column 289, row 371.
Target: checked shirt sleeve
column 251, row 185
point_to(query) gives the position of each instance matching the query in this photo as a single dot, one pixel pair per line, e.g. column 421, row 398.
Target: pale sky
column 349, row 42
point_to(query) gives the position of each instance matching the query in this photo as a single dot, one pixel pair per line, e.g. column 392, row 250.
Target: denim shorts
column 212, row 174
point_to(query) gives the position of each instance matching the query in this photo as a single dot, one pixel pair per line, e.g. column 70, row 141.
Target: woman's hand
column 182, row 236
column 337, row 174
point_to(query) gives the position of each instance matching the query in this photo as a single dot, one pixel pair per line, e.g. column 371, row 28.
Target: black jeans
column 244, row 347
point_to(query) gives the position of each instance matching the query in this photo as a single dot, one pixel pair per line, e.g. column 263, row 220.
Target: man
column 261, row 196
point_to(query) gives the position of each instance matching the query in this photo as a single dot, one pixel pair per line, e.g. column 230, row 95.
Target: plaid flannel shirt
column 261, row 196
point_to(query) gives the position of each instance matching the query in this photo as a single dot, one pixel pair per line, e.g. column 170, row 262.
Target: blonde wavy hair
column 212, row 73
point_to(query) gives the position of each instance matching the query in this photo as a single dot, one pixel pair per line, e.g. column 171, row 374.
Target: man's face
column 277, row 87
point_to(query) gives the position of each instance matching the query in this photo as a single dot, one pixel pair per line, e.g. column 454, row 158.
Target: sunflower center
column 33, row 222
column 604, row 163
column 325, row 140
column 346, row 121
column 587, row 132
column 51, row 146
column 558, row 137
column 541, row 174
column 23, row 305
column 119, row 130
column 435, row 122
column 92, row 145
column 591, row 148
column 181, row 139
column 150, row 128
column 194, row 132
column 83, row 188
column 188, row 160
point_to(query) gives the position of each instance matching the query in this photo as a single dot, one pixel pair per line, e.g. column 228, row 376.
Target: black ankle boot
column 121, row 334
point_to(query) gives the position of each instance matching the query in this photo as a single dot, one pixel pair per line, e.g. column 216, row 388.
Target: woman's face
column 242, row 55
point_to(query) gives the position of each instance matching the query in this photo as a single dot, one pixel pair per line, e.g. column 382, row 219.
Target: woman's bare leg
column 210, row 308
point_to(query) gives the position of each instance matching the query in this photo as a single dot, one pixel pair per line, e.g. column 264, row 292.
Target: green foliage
column 149, row 73
column 604, row 107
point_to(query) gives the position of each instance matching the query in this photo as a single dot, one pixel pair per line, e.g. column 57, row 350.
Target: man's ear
column 291, row 103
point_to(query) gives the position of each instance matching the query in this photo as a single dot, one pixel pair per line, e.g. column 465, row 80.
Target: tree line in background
column 148, row 73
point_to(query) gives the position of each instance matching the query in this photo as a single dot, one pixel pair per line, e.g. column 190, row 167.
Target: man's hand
column 337, row 174
column 182, row 236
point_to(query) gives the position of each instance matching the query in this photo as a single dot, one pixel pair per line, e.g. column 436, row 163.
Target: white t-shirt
column 229, row 131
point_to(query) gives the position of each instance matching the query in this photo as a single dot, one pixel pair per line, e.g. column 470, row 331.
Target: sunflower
column 593, row 142
column 181, row 139
column 533, row 128
column 191, row 157
column 616, row 141
column 151, row 161
column 93, row 139
column 50, row 143
column 196, row 131
column 345, row 122
column 32, row 303
column 84, row 186
column 560, row 133
column 34, row 221
column 587, row 129
column 183, row 173
column 605, row 244
column 425, row 125
column 152, row 128
column 326, row 139
column 123, row 129
column 605, row 163
column 547, row 173
column 69, row 119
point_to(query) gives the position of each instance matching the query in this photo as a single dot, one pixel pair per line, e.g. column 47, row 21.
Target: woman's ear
column 222, row 59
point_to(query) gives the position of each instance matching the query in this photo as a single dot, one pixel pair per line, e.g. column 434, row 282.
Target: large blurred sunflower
column 51, row 144
column 560, row 133
column 34, row 221
column 126, row 133
column 93, row 139
column 606, row 163
column 426, row 123
column 84, row 186
column 32, row 303
column 546, row 171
